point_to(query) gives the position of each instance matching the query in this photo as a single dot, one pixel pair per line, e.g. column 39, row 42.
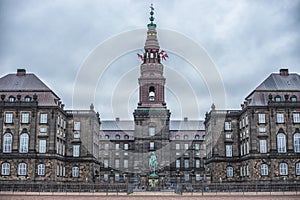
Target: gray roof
column 189, row 125
column 113, row 125
column 275, row 84
column 27, row 85
column 27, row 82
column 281, row 83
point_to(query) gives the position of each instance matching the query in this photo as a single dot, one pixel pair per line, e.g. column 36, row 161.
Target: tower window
column 151, row 93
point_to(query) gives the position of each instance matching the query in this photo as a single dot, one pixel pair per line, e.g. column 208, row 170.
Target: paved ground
column 146, row 196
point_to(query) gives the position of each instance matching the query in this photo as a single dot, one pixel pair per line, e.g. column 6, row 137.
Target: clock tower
column 151, row 115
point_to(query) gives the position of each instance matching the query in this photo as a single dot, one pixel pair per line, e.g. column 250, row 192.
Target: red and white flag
column 140, row 56
column 163, row 55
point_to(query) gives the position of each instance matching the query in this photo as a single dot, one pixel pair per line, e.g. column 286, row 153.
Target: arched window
column 281, row 143
column 41, row 169
column 151, row 93
column 297, row 142
column 196, row 137
column 185, row 137
column 277, row 98
column 7, row 143
column 75, row 171
column 27, row 99
column 229, row 171
column 22, row 169
column 293, row 98
column 11, row 99
column 126, row 137
column 5, row 170
column 177, row 137
column 117, row 137
column 24, row 143
column 264, row 169
column 106, row 136
column 283, row 169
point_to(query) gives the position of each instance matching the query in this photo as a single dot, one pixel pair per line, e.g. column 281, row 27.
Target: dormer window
column 151, row 94
column 277, row 99
column 11, row 99
column 293, row 98
column 27, row 99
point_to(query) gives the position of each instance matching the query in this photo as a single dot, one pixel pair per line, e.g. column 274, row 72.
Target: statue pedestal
column 153, row 181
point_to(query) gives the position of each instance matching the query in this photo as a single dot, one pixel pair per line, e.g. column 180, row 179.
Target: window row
column 280, row 118
column 25, row 118
column 13, row 99
column 278, row 98
column 264, row 170
column 23, row 144
column 22, row 169
column 186, row 146
column 283, row 169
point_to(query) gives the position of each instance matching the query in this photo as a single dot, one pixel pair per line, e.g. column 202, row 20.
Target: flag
column 163, row 55
column 140, row 56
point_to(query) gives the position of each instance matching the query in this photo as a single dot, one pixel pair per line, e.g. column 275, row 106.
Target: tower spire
column 151, row 17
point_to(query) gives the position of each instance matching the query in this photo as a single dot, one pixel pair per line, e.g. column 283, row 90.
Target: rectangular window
column 105, row 177
column 280, row 118
column 117, row 163
column 227, row 126
column 76, row 150
column 43, row 118
column 125, row 164
column 8, row 118
column 261, row 118
column 262, row 129
column 228, row 150
column 42, row 146
column 263, row 146
column 228, row 135
column 197, row 146
column 43, row 130
column 75, row 171
column 186, row 163
column 151, row 131
column 177, row 146
column 197, row 163
column 198, row 177
column 106, row 146
column 5, row 169
column 151, row 145
column 178, row 163
column 117, row 177
column 76, row 126
column 105, row 163
column 41, row 169
column 22, row 169
column 25, row 118
column 296, row 117
column 186, row 177
column 126, row 146
column 186, row 146
column 117, row 146
column 298, row 168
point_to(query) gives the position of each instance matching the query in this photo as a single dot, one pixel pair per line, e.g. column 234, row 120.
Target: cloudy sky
column 246, row 41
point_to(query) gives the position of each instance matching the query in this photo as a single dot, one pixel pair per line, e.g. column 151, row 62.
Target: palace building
column 41, row 141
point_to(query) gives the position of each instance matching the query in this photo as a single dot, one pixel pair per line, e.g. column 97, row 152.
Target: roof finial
column 151, row 17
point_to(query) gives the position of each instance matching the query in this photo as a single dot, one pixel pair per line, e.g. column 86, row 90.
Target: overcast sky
column 246, row 40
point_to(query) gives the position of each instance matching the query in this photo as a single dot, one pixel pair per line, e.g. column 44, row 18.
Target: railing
column 256, row 187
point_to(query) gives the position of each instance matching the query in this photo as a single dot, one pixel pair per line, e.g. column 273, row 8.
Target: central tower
column 151, row 115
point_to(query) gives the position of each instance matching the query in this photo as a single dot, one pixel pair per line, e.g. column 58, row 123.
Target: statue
column 153, row 163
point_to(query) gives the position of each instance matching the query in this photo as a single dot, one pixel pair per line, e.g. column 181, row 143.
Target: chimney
column 21, row 72
column 284, row 72
column 117, row 119
column 185, row 119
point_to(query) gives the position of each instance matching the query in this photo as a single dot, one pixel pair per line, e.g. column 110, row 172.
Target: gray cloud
column 247, row 40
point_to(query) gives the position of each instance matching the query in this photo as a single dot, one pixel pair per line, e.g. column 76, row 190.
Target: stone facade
column 264, row 135
column 37, row 134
